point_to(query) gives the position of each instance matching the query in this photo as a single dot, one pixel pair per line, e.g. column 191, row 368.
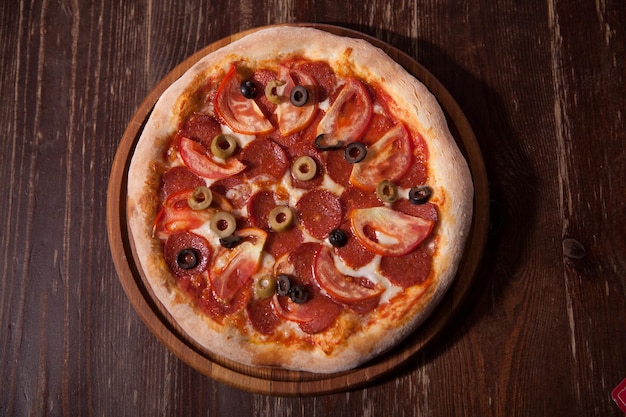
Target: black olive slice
column 355, row 152
column 337, row 238
column 248, row 89
column 299, row 96
column 322, row 145
column 231, row 241
column 420, row 194
column 187, row 258
column 298, row 294
column 283, row 284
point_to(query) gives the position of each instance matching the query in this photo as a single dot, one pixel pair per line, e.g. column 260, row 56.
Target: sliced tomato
column 233, row 268
column 337, row 285
column 292, row 119
column 241, row 114
column 176, row 215
column 349, row 115
column 389, row 158
column 388, row 232
column 196, row 158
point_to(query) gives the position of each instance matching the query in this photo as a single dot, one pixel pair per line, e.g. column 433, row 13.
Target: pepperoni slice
column 187, row 241
column 307, row 149
column 217, row 308
column 416, row 175
column 353, row 253
column 259, row 208
column 418, row 172
column 280, row 243
column 320, row 212
column 379, row 125
column 323, row 312
column 262, row 316
column 355, row 198
column 177, row 179
column 298, row 262
column 263, row 157
column 234, row 189
column 407, row 270
column 426, row 211
column 323, row 75
column 201, row 128
column 338, row 168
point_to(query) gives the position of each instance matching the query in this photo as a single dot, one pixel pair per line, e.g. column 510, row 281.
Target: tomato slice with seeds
column 292, row 119
column 233, row 268
column 196, row 158
column 387, row 232
column 241, row 114
column 349, row 115
column 176, row 215
column 338, row 285
column 389, row 158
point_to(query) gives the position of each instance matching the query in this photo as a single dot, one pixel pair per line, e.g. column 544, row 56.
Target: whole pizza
column 296, row 200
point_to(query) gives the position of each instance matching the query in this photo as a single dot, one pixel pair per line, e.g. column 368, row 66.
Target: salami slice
column 195, row 258
column 259, row 208
column 307, row 149
column 323, row 312
column 263, row 157
column 280, row 243
column 262, row 316
column 320, row 212
column 353, row 253
column 178, row 179
column 426, row 211
column 201, row 128
column 407, row 270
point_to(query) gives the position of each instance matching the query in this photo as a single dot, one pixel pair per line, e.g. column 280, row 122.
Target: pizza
column 296, row 200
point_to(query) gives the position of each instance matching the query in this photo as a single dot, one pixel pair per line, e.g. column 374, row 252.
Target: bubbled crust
column 448, row 173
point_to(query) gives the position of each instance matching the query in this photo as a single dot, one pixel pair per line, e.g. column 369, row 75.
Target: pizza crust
column 448, row 175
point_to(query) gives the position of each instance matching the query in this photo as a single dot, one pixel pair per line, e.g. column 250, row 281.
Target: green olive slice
column 387, row 191
column 265, row 286
column 280, row 218
column 304, row 168
column 223, row 146
column 270, row 91
column 201, row 198
column 223, row 224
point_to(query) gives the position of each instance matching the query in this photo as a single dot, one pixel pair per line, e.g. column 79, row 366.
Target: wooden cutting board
column 276, row 381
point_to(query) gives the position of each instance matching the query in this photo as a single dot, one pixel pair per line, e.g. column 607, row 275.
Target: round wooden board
column 269, row 380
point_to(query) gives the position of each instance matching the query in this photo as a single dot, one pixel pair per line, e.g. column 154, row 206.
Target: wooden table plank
column 542, row 84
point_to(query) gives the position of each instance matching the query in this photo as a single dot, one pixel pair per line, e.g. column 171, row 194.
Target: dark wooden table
column 543, row 84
